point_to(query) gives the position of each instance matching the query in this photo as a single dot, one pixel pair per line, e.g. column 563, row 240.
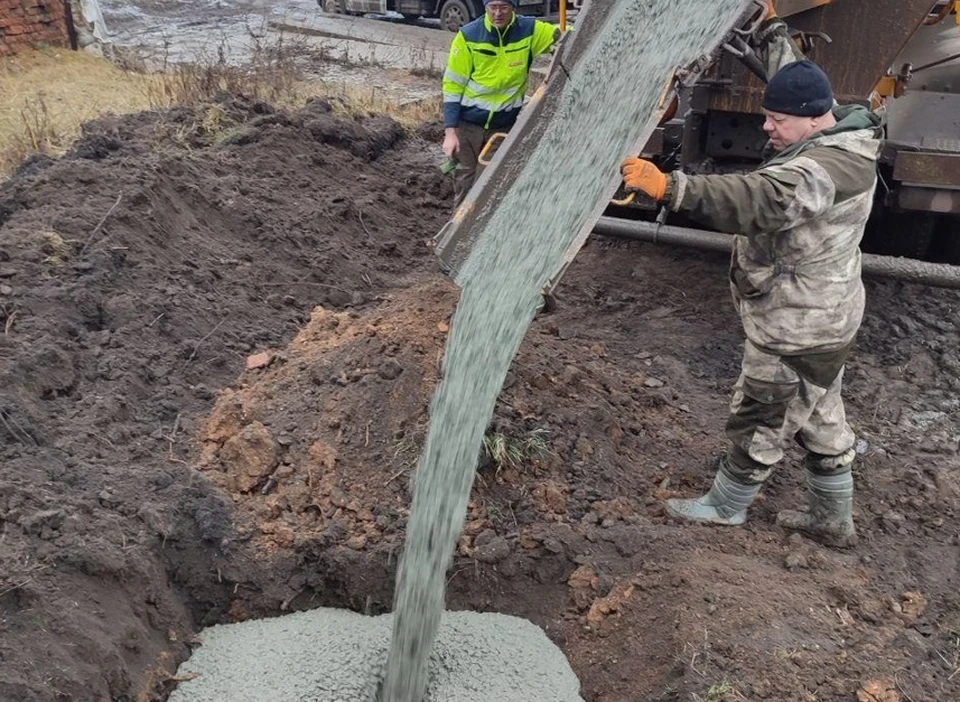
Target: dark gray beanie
column 509, row 2
column 800, row 89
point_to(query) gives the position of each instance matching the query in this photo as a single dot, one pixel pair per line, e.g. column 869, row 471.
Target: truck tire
column 456, row 13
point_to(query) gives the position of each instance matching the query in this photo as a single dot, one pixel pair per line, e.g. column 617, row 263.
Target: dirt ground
column 219, row 341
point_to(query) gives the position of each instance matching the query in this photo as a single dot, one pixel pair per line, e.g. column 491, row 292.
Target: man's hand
column 451, row 143
column 642, row 175
column 771, row 10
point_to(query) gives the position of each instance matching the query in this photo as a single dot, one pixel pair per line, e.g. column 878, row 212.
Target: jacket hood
column 852, row 118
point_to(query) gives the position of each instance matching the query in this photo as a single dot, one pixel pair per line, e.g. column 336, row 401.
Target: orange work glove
column 642, row 175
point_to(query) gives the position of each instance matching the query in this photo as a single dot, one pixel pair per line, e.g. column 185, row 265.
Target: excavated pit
column 151, row 484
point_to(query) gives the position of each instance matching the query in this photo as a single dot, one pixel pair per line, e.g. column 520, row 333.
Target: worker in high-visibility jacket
column 486, row 80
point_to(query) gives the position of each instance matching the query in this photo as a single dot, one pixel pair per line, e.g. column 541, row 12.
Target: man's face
column 785, row 130
column 500, row 14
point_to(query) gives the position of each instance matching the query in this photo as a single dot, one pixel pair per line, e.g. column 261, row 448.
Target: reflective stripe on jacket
column 486, row 77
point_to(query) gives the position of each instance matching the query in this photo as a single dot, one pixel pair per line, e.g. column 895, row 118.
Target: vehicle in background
column 452, row 14
column 904, row 54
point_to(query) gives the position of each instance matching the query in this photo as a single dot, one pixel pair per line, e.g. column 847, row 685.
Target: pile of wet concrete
column 335, row 654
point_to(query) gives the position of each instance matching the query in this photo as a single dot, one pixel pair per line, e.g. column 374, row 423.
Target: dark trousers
column 779, row 400
column 472, row 139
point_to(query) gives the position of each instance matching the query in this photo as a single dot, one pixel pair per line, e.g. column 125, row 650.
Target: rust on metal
column 866, row 38
column 918, row 168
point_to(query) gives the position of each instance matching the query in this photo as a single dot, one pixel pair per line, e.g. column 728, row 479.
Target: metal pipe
column 934, row 64
column 940, row 275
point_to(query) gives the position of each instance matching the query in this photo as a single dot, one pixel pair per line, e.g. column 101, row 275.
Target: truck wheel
column 454, row 14
column 334, row 7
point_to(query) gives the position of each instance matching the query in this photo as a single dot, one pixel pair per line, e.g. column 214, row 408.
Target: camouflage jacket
column 799, row 218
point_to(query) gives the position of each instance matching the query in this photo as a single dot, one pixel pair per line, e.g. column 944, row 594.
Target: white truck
column 452, row 14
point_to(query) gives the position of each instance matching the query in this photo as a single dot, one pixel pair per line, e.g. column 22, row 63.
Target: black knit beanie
column 800, row 89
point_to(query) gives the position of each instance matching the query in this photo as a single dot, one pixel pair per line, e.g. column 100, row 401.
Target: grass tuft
column 508, row 452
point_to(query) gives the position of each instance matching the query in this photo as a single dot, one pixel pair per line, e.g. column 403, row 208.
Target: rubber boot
column 829, row 518
column 726, row 503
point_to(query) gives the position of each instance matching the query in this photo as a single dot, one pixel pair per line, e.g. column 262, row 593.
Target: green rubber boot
column 829, row 518
column 726, row 503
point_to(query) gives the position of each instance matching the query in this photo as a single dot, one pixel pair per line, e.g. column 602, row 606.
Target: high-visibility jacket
column 486, row 76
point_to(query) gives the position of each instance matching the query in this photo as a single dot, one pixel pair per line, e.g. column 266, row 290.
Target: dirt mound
column 136, row 275
column 615, row 401
column 317, row 426
column 221, row 331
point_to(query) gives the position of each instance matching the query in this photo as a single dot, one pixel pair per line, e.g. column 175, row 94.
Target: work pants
column 779, row 399
column 472, row 139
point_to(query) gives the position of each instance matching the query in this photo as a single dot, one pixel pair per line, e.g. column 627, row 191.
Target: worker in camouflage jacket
column 795, row 279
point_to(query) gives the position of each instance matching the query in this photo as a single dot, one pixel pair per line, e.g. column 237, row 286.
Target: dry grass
column 271, row 75
column 507, row 452
column 46, row 95
column 355, row 100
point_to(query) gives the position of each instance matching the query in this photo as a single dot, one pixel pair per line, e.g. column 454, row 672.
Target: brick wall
column 25, row 23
